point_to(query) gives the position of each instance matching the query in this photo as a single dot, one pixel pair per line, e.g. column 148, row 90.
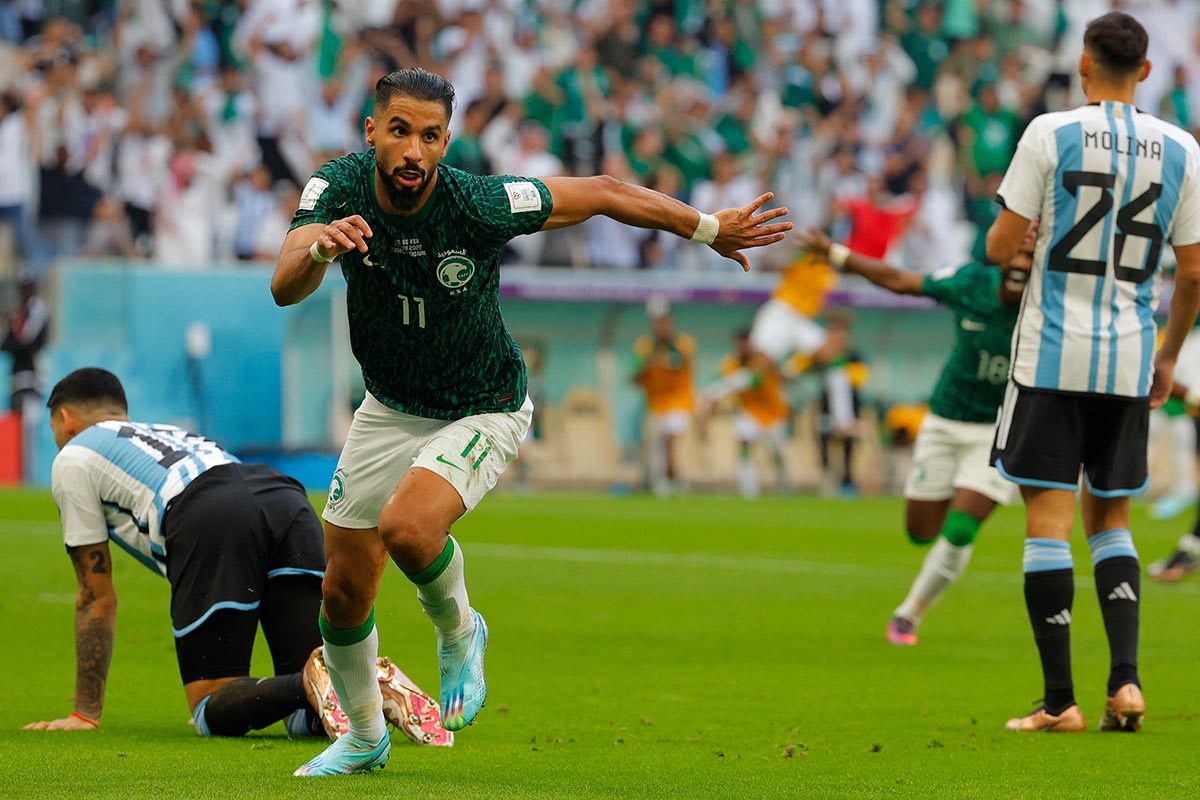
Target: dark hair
column 89, row 386
column 1117, row 42
column 417, row 83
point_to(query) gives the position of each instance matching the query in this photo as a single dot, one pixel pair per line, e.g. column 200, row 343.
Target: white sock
column 943, row 564
column 445, row 599
column 352, row 672
column 748, row 479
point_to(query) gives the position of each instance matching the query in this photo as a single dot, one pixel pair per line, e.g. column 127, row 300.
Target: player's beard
column 402, row 198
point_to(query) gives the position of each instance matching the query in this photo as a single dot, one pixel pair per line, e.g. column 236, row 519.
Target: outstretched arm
column 578, row 199
column 95, row 621
column 877, row 272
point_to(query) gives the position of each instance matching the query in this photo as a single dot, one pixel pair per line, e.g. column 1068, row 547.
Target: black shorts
column 1044, row 437
column 231, row 531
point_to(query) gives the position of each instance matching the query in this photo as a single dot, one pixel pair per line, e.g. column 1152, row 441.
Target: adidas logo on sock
column 1061, row 618
column 1123, row 592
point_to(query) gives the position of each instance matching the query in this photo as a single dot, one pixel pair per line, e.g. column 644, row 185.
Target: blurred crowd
column 180, row 130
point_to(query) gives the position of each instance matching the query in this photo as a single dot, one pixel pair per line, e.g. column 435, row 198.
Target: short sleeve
column 1022, row 187
column 506, row 206
column 322, row 199
column 78, row 503
column 686, row 344
column 956, row 287
column 1185, row 228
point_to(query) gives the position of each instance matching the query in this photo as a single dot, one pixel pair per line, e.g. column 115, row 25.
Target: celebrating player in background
column 446, row 404
column 239, row 543
column 1109, row 184
column 763, row 410
column 783, row 326
column 952, row 487
column 664, row 371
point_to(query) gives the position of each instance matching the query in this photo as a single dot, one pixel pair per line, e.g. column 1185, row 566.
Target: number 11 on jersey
column 405, row 316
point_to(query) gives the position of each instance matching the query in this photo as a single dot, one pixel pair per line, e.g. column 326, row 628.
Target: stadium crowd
column 180, row 130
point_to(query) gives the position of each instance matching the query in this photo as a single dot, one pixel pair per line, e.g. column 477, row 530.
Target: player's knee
column 405, row 536
column 344, row 597
column 919, row 535
column 960, row 528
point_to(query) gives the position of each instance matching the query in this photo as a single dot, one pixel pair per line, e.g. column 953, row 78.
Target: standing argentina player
column 1110, row 184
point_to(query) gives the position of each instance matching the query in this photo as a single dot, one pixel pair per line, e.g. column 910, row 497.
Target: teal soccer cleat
column 464, row 688
column 347, row 756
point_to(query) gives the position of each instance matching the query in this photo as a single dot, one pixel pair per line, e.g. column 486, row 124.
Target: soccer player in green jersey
column 447, row 402
column 952, row 486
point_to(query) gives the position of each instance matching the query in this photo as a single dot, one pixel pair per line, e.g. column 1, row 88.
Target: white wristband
column 315, row 252
column 838, row 253
column 706, row 229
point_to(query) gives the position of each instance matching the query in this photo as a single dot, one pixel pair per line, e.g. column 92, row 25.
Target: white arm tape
column 838, row 253
column 315, row 252
column 706, row 229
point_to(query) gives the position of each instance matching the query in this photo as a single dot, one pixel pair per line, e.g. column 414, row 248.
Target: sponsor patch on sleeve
column 523, row 196
column 945, row 273
column 312, row 192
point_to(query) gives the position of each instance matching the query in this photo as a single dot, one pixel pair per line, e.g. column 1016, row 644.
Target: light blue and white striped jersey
column 1110, row 185
column 113, row 481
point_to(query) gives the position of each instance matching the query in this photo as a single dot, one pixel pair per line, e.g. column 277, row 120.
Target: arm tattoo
column 95, row 619
column 93, row 652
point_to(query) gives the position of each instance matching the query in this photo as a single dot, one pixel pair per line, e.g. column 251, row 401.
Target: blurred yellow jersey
column 763, row 400
column 666, row 372
column 805, row 284
column 903, row 421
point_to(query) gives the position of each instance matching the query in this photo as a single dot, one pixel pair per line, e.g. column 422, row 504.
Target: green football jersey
column 424, row 302
column 971, row 386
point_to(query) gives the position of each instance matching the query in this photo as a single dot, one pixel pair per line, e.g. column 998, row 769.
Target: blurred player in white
column 784, row 326
column 1110, row 184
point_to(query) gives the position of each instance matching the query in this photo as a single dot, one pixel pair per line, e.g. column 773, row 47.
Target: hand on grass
column 69, row 723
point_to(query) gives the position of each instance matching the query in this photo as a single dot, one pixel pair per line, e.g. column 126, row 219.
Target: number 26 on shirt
column 1060, row 252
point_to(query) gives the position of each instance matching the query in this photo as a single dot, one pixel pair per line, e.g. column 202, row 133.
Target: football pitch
column 695, row 648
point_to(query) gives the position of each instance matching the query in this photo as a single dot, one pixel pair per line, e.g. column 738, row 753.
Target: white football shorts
column 670, row 423
column 749, row 429
column 383, row 444
column 951, row 455
column 780, row 330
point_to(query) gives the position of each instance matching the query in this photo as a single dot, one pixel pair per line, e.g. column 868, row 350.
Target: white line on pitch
column 761, row 564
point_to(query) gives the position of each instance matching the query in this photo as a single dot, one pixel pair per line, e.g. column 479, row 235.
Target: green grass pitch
column 695, row 648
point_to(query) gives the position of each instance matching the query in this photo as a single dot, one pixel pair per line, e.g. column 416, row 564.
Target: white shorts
column 749, row 429
column 780, row 330
column 383, row 444
column 672, row 423
column 951, row 455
